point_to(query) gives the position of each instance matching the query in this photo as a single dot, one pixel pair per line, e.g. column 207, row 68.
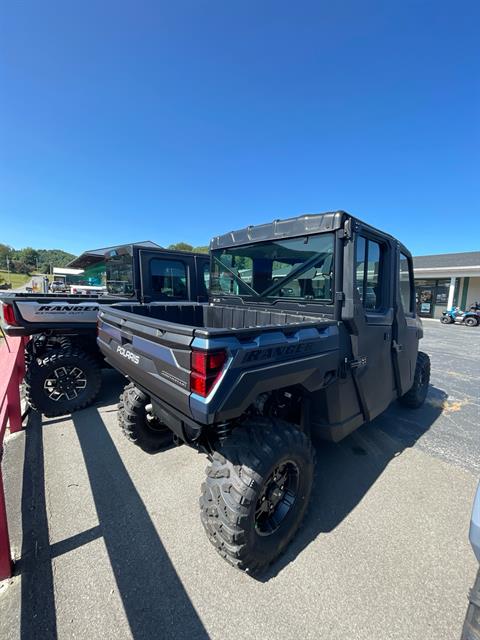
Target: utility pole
column 8, row 269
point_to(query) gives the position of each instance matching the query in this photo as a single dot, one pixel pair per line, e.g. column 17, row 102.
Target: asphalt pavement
column 113, row 547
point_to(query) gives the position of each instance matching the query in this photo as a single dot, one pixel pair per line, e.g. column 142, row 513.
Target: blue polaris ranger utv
column 310, row 329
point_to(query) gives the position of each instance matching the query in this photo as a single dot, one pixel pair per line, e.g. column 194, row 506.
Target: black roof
column 301, row 225
column 467, row 259
column 92, row 256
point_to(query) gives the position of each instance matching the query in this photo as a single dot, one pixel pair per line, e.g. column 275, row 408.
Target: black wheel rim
column 65, row 383
column 277, row 498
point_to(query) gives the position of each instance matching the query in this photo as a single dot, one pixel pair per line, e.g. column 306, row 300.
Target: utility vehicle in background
column 64, row 364
column 470, row 318
column 310, row 329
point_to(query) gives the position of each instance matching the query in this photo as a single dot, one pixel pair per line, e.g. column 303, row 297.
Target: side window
column 169, row 278
column 405, row 284
column 369, row 273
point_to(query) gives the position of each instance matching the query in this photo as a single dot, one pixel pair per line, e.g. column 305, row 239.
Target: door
column 167, row 277
column 372, row 366
column 424, row 300
column 405, row 327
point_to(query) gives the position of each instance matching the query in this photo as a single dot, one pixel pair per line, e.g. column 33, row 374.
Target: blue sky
column 172, row 121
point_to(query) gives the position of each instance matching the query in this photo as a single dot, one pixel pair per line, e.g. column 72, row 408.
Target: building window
column 441, row 292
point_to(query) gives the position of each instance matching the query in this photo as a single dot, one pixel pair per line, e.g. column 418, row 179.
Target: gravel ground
column 113, row 546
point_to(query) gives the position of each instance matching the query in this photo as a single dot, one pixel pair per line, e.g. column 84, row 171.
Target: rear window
column 169, row 278
column 296, row 268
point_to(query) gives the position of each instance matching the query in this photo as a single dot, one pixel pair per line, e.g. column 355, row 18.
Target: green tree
column 202, row 249
column 5, row 251
column 54, row 258
column 29, row 256
column 18, row 266
column 181, row 246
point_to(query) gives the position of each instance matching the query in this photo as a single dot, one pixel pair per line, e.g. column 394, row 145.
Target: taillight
column 206, row 368
column 8, row 313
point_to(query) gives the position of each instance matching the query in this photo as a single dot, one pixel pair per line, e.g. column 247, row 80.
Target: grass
column 17, row 279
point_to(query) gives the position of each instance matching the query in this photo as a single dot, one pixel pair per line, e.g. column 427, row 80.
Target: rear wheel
column 257, row 491
column 446, row 320
column 471, row 322
column 62, row 382
column 140, row 426
column 415, row 397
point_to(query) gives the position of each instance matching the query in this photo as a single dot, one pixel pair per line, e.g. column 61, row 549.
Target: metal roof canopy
column 66, row 271
column 303, row 225
column 93, row 256
column 447, row 265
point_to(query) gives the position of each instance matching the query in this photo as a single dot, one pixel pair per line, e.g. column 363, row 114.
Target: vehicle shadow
column 37, row 615
column 113, row 384
column 347, row 470
column 153, row 597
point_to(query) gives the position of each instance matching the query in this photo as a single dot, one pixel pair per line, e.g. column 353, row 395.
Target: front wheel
column 446, row 320
column 62, row 382
column 415, row 397
column 257, row 491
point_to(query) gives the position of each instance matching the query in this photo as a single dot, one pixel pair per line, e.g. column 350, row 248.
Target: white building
column 445, row 280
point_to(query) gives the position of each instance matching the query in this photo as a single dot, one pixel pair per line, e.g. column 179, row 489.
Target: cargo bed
column 152, row 344
column 206, row 319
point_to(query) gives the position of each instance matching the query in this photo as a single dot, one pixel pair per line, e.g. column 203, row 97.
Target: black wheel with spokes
column 61, row 382
column 257, row 491
column 65, row 383
column 278, row 497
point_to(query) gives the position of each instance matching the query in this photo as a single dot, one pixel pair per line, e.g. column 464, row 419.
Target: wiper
column 293, row 274
column 237, row 277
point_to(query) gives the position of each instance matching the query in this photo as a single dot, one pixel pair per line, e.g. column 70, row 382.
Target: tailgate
column 157, row 359
column 21, row 316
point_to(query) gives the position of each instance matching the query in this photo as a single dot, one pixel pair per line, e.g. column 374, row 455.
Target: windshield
column 119, row 268
column 296, row 268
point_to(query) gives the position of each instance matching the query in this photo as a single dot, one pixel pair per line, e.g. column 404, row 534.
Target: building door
column 425, row 300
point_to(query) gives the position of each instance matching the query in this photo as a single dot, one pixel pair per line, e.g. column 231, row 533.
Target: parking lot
column 113, row 547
